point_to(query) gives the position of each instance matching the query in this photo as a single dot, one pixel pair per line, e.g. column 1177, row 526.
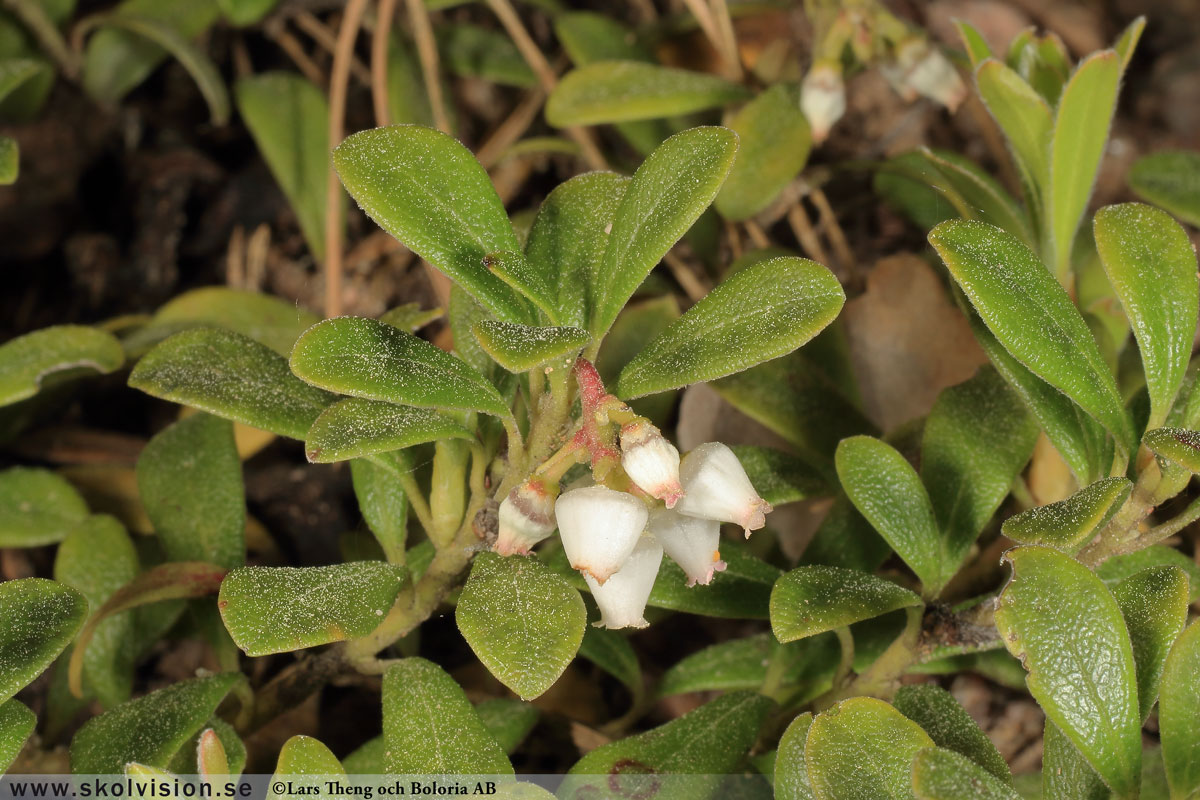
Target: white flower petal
column 599, row 528
column 651, row 461
column 526, row 518
column 622, row 599
column 691, row 542
column 716, row 487
column 823, row 98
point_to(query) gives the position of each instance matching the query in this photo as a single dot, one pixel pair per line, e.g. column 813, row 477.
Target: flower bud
column 651, row 461
column 622, row 599
column 716, row 487
column 823, row 98
column 526, row 518
column 599, row 529
column 692, row 543
column 921, row 69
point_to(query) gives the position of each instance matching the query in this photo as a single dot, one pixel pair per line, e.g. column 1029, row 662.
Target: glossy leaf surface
column 1179, row 714
column 520, row 348
column 1071, row 523
column 355, row 428
column 41, row 618
column 16, row 726
column 37, row 507
column 814, row 599
column 1176, row 445
column 1154, row 604
column 27, row 360
column 862, row 749
column 791, row 768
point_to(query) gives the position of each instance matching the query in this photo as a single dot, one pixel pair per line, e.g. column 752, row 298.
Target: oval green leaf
column 1070, row 524
column 1031, row 315
column 1170, row 180
column 41, row 618
column 814, row 599
column 428, row 191
column 624, row 91
column 885, row 488
column 1150, row 263
column 1057, row 617
column 355, row 428
column 268, row 320
column 190, row 482
column 150, row 729
column 780, row 477
column 863, row 749
column 951, row 727
column 665, row 196
column 1179, row 715
column 383, row 504
column 508, row 721
column 1154, row 603
column 37, row 507
column 27, row 360
column 233, row 377
column 760, row 313
column 303, row 756
column 430, row 728
column 371, row 359
column 16, row 726
column 279, row 609
column 524, row 622
column 1023, row 115
column 791, row 768
column 939, row 774
column 1177, row 445
column 520, row 348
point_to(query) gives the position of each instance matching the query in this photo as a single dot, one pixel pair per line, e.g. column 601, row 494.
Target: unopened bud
column 920, row 68
column 599, row 529
column 651, row 461
column 823, row 98
column 622, row 599
column 691, row 542
column 716, row 487
column 526, row 518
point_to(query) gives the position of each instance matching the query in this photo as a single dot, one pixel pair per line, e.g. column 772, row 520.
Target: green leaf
column 384, row 506
column 791, row 768
column 279, row 609
column 1070, row 524
column 190, row 481
column 976, row 46
column 170, row 581
column 741, row 592
column 775, row 142
column 665, row 196
column 508, row 721
column 1179, row 715
column 939, row 774
column 428, row 191
column 476, row 52
column 1154, row 603
column 37, row 507
column 116, row 60
column 409, row 317
column 951, row 727
column 371, row 359
column 779, row 477
column 168, row 36
column 41, row 618
column 524, row 622
column 1023, row 115
column 367, row 759
column 520, row 348
column 1081, row 124
column 611, row 652
column 983, row 197
column 268, row 320
column 10, row 161
column 16, row 726
column 150, row 729
column 1057, row 617
column 623, row 91
column 739, row 664
column 862, row 749
column 567, row 241
column 886, row 490
column 430, row 728
column 1031, row 315
column 1120, row 567
column 354, row 428
column 1170, row 180
column 588, row 36
column 233, row 377
column 1176, row 445
column 814, row 599
column 303, row 756
column 243, row 13
column 539, row 285
column 14, row 72
column 288, row 118
column 98, row 559
column 27, row 360
column 1065, row 772
column 708, row 742
column 760, row 313
column 1128, row 41
column 977, row 439
column 1151, row 264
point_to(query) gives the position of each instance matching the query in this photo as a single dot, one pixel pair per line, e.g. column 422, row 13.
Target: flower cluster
column 615, row 531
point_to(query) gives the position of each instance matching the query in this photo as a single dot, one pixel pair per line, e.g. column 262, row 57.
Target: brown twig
column 757, row 234
column 801, row 226
column 691, row 283
column 290, row 45
column 545, row 73
column 418, row 18
column 379, row 60
column 339, row 82
column 321, row 34
column 837, row 237
column 510, row 130
column 720, row 10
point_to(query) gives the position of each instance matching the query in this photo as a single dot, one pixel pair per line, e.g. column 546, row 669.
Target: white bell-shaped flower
column 526, row 518
column 691, row 542
column 922, row 69
column 716, row 487
column 622, row 599
column 823, row 98
column 599, row 529
column 651, row 461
